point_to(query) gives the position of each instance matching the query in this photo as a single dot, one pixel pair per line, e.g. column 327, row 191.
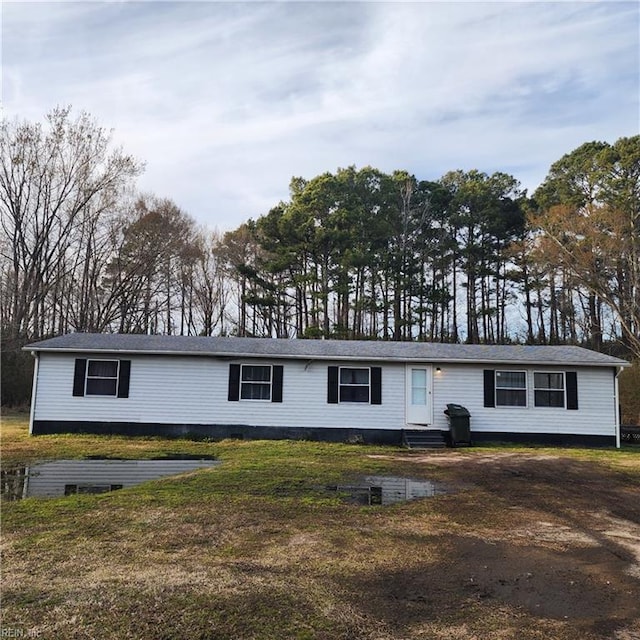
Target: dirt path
column 571, row 550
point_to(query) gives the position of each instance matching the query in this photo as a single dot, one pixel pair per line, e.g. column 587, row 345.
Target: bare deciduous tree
column 58, row 187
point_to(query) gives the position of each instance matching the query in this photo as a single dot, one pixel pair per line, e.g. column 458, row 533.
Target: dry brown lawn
column 527, row 544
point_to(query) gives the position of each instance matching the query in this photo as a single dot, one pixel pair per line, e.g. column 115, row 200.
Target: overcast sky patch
column 226, row 101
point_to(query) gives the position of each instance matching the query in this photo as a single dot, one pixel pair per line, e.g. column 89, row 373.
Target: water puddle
column 68, row 477
column 385, row 490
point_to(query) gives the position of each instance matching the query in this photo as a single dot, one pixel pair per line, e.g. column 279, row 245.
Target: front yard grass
column 256, row 548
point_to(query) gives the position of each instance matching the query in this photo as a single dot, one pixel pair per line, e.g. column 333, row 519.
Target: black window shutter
column 276, row 383
column 234, row 382
column 489, row 388
column 123, row 379
column 332, row 385
column 572, row 389
column 79, row 376
column 376, row 385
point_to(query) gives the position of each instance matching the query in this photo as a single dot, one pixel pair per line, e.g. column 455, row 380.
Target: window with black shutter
column 255, row 382
column 354, row 384
column 94, row 377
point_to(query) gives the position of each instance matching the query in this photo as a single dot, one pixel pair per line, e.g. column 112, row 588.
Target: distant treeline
column 355, row 254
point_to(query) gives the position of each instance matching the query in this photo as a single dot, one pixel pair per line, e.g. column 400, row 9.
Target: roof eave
column 346, row 358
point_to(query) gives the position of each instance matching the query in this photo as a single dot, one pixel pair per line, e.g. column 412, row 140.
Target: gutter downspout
column 34, row 390
column 616, row 398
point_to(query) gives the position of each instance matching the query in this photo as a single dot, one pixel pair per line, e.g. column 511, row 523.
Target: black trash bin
column 459, row 424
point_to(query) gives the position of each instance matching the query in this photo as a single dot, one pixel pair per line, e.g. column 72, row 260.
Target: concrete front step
column 418, row 439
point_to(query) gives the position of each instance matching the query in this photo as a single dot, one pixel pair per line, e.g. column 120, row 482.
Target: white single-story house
column 340, row 390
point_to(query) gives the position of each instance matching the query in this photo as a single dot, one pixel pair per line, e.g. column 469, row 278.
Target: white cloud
column 227, row 101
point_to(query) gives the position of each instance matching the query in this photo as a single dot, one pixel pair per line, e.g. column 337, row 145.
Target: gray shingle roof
column 324, row 349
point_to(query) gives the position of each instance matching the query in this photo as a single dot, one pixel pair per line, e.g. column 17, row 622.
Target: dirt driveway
column 571, row 550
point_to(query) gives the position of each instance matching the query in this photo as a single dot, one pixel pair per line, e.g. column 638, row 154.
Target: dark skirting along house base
column 220, row 431
column 551, row 439
column 249, row 432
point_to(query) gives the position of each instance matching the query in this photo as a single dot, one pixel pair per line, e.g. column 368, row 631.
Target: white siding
column 193, row 390
column 464, row 384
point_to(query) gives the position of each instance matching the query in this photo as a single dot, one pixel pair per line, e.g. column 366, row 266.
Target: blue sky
column 226, row 101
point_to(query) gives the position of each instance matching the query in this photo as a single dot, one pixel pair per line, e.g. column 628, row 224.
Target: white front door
column 418, row 394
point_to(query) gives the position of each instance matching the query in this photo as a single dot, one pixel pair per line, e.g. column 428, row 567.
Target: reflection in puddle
column 67, row 477
column 384, row 490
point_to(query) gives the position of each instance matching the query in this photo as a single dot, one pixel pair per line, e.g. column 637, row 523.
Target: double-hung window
column 511, row 388
column 255, row 382
column 102, row 377
column 354, row 385
column 549, row 389
column 93, row 377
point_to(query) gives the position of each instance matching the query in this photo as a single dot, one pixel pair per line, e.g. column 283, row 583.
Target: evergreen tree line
column 355, row 254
